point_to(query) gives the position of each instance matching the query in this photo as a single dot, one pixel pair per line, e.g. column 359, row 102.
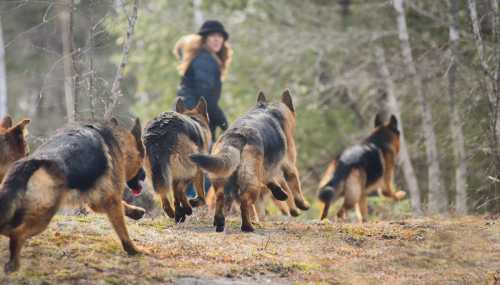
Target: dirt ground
column 85, row 250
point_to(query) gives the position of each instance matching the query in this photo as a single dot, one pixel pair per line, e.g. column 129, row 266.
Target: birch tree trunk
column 455, row 122
column 197, row 14
column 493, row 92
column 438, row 200
column 65, row 24
column 3, row 75
column 391, row 105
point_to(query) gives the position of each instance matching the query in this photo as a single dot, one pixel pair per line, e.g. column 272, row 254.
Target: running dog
column 170, row 139
column 90, row 163
column 256, row 152
column 361, row 169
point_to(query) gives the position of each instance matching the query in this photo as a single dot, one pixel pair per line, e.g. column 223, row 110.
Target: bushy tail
column 14, row 187
column 158, row 161
column 223, row 163
column 327, row 193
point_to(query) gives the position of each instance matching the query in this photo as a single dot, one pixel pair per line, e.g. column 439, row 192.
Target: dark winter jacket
column 202, row 73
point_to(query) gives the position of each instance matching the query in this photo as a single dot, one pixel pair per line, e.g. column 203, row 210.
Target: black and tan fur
column 253, row 154
column 362, row 168
column 13, row 145
column 170, row 139
column 90, row 163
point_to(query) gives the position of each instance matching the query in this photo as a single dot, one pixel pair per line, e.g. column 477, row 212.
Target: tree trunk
column 391, row 105
column 197, row 14
column 91, row 78
column 455, row 122
column 3, row 76
column 65, row 23
column 438, row 200
column 116, row 92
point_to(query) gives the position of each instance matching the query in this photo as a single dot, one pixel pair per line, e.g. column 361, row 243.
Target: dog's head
column 387, row 134
column 199, row 114
column 135, row 184
column 133, row 152
column 285, row 108
column 13, row 145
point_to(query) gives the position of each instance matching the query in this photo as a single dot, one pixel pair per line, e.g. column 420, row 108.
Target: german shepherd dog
column 361, row 169
column 170, row 139
column 13, row 145
column 90, row 163
column 251, row 155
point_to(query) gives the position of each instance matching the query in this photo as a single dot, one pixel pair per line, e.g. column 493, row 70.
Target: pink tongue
column 136, row 192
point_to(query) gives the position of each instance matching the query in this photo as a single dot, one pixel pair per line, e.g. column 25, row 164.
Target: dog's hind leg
column 293, row 180
column 219, row 219
column 182, row 206
column 294, row 212
column 199, row 185
column 33, row 224
column 165, row 202
column 40, row 203
column 246, row 206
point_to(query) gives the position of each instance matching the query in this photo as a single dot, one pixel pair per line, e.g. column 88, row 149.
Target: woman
column 205, row 58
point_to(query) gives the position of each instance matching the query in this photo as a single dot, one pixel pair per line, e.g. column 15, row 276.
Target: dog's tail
column 332, row 191
column 158, row 161
column 223, row 163
column 14, row 188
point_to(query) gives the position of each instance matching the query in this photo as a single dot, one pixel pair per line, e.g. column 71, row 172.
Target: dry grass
column 85, row 250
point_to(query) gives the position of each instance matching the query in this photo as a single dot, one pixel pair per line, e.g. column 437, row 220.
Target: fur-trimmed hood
column 188, row 47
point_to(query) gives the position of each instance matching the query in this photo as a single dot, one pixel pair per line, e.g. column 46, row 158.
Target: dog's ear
column 6, row 122
column 202, row 107
column 378, row 120
column 19, row 129
column 179, row 106
column 286, row 98
column 261, row 98
column 393, row 123
column 113, row 121
column 136, row 129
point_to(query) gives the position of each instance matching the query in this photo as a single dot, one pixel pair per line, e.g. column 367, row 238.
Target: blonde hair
column 188, row 47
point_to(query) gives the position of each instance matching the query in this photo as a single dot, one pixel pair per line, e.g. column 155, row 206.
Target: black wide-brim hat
column 213, row 26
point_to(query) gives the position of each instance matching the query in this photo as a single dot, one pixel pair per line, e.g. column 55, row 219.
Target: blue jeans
column 191, row 192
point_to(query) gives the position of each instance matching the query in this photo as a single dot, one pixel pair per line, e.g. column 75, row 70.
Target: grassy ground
column 84, row 250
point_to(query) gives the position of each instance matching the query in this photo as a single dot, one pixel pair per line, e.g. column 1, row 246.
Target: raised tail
column 223, row 163
column 14, row 187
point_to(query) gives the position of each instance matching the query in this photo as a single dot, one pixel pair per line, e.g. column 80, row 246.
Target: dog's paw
column 169, row 211
column 247, row 228
column 10, row 267
column 131, row 249
column 180, row 214
column 294, row 212
column 219, row 222
column 136, row 213
column 399, row 195
column 188, row 211
column 302, row 204
column 196, row 202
